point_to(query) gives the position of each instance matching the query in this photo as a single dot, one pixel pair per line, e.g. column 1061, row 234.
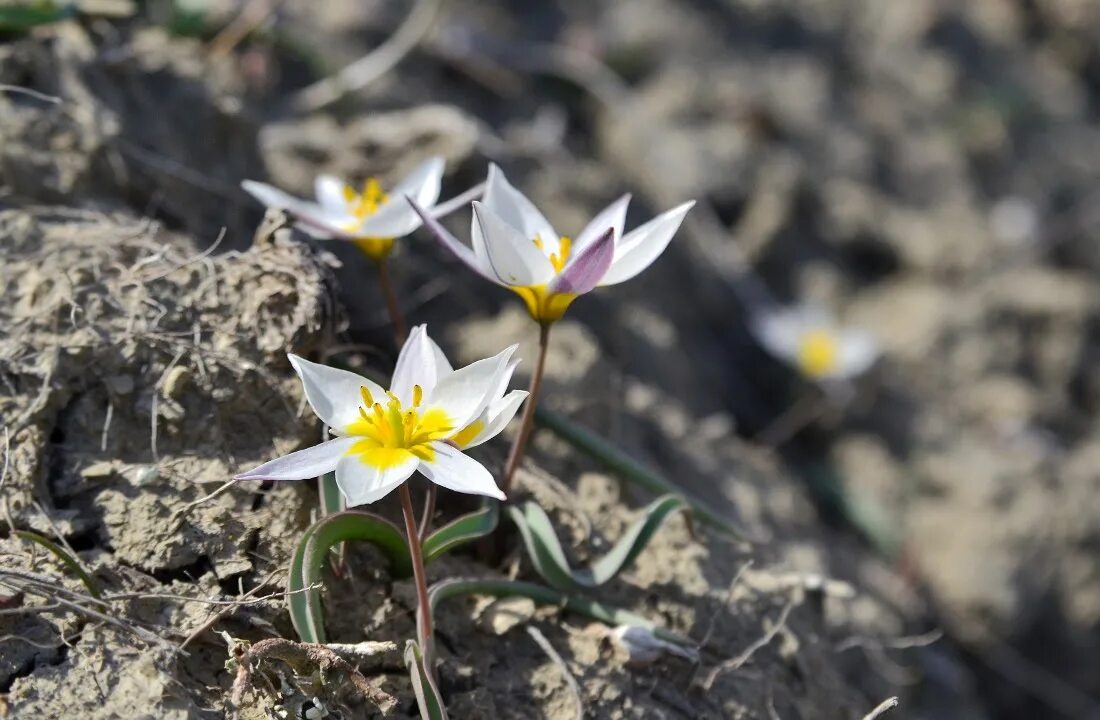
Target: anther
column 418, row 395
column 364, row 393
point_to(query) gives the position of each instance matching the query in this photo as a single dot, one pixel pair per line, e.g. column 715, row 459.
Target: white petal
column 334, row 393
column 612, row 216
column 303, row 464
column 515, row 209
column 512, row 256
column 362, row 484
column 329, row 190
column 442, row 364
column 396, row 218
column 416, row 365
column 497, row 417
column 422, row 184
column 463, row 394
column 451, row 469
column 322, row 221
column 473, row 259
column 780, row 333
column 641, row 246
column 858, row 351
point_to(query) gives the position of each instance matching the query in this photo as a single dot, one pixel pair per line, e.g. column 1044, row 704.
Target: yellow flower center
column 542, row 305
column 818, row 353
column 561, row 257
column 363, row 205
column 389, row 433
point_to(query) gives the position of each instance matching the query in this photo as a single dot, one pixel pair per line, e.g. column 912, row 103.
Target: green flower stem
column 515, row 455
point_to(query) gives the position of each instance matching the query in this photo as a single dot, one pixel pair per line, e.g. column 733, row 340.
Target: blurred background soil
column 925, row 169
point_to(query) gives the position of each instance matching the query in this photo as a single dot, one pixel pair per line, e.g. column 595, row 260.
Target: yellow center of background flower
column 388, row 434
column 363, row 205
column 818, row 353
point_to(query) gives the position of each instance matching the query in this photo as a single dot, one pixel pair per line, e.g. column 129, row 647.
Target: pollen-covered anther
column 368, row 399
column 561, row 257
column 418, row 395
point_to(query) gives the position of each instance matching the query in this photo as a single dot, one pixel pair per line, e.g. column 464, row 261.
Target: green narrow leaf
column 306, row 568
column 71, row 563
column 428, row 698
column 332, row 501
column 21, row 17
column 541, row 594
column 548, row 557
column 462, row 530
column 630, row 469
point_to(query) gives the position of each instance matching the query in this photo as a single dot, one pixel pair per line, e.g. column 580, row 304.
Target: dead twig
column 558, row 660
column 304, row 658
column 900, row 643
column 375, row 64
column 887, row 704
column 736, row 662
column 18, row 90
column 254, row 14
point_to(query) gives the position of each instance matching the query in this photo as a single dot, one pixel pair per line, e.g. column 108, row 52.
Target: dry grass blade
column 736, row 662
column 558, row 660
column 882, row 707
column 374, row 65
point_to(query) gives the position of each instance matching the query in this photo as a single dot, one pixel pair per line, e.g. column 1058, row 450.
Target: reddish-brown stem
column 424, row 618
column 515, row 455
column 397, row 319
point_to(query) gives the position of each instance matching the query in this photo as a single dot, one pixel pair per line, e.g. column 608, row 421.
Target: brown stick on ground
column 303, row 658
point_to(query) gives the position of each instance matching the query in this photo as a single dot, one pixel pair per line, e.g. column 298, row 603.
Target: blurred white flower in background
column 371, row 218
column 809, row 340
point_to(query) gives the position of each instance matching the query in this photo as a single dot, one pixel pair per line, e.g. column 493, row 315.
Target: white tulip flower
column 429, row 414
column 372, row 219
column 809, row 340
column 514, row 246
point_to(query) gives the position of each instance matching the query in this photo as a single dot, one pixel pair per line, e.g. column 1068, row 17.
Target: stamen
column 379, row 412
column 418, row 395
column 565, row 247
column 538, row 241
column 363, row 414
column 364, row 393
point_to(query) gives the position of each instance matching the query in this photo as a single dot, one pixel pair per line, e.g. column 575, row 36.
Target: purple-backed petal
column 451, row 243
column 586, row 270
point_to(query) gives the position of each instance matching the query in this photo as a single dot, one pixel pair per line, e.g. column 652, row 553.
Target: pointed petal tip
column 586, row 270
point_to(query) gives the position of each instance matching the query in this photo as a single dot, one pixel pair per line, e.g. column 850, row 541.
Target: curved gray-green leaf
column 541, row 594
column 428, row 698
column 550, row 562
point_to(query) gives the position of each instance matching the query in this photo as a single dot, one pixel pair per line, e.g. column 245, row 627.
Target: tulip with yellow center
column 513, row 245
column 810, row 341
column 372, row 218
column 429, row 415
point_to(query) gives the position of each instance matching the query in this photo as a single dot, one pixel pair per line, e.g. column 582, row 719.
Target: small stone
column 98, row 471
column 504, row 614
